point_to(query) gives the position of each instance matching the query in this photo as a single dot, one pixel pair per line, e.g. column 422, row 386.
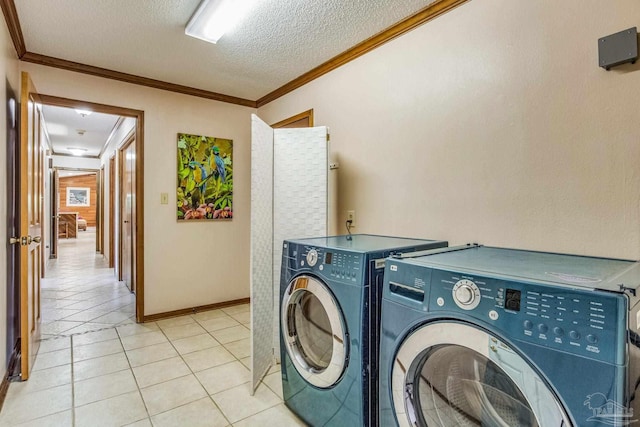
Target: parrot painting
column 217, row 164
column 199, row 175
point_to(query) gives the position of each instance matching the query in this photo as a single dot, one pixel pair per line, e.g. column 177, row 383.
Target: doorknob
column 14, row 240
column 36, row 239
column 126, row 222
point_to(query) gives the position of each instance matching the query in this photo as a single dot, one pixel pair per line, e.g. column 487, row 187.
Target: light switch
column 164, row 198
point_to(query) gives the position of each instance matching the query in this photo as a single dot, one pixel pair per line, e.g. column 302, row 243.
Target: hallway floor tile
column 97, row 367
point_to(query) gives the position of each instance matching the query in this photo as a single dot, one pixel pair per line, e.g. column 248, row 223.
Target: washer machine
column 482, row 336
column 330, row 293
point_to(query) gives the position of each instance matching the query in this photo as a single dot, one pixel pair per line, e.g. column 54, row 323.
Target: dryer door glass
column 313, row 331
column 448, row 373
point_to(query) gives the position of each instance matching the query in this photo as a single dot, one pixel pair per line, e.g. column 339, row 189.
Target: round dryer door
column 453, row 374
column 313, row 331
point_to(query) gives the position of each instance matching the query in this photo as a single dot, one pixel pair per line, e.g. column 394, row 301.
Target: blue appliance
column 481, row 336
column 330, row 290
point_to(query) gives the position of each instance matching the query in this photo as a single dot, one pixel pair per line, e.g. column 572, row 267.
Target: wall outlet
column 351, row 216
column 164, row 198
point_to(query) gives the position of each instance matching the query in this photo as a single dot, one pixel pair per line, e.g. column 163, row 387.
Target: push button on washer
column 558, row 331
column 575, row 335
column 543, row 328
column 592, row 338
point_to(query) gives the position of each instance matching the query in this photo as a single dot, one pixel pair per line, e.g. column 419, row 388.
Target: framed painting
column 205, row 178
column 78, row 196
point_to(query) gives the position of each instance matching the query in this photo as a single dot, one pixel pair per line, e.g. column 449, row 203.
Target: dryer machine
column 330, row 293
column 484, row 336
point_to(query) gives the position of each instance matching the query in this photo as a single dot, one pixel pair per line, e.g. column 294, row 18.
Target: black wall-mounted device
column 619, row 48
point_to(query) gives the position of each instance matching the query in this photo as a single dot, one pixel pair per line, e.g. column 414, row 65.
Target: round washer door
column 447, row 374
column 313, row 331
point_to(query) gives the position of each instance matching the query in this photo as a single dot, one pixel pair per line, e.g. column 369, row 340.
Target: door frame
column 139, row 185
column 112, row 210
column 293, row 119
column 53, row 211
column 127, row 141
column 100, row 210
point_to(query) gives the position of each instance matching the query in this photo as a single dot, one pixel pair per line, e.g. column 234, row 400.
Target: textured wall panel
column 261, row 248
column 299, row 195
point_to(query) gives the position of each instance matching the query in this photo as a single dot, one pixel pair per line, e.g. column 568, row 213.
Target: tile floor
column 97, row 367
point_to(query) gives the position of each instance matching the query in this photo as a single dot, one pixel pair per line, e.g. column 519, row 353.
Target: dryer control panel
column 587, row 323
column 340, row 266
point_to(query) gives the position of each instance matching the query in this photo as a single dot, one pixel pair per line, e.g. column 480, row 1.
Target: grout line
column 134, row 376
column 73, row 391
column 196, row 377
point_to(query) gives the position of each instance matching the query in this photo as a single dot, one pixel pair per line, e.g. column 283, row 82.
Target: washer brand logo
column 394, row 268
column 607, row 411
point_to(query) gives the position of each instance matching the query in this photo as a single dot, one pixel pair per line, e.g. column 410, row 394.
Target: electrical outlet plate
column 164, row 198
column 351, row 216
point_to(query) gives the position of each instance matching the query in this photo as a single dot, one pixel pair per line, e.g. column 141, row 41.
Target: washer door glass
column 313, row 332
column 448, row 374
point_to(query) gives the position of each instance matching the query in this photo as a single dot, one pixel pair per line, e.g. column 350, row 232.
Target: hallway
column 97, row 367
column 80, row 293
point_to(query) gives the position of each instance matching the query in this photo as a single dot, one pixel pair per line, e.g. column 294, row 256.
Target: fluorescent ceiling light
column 214, row 17
column 83, row 113
column 77, row 151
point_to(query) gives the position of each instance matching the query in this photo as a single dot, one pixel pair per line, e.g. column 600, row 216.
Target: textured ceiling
column 63, row 124
column 278, row 41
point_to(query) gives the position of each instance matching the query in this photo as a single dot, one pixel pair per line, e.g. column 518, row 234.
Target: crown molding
column 428, row 13
column 13, row 24
column 50, row 61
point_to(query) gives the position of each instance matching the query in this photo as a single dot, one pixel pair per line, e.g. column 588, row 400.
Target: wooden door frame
column 53, row 208
column 139, row 185
column 112, row 210
column 100, row 210
column 127, row 141
column 304, row 115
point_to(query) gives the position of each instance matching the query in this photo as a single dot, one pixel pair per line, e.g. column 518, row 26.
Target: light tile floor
column 97, row 367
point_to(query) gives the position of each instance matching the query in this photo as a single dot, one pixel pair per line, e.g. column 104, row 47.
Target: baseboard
column 192, row 310
column 4, row 388
column 6, row 379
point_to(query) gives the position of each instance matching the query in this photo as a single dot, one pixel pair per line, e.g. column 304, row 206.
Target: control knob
column 466, row 294
column 312, row 257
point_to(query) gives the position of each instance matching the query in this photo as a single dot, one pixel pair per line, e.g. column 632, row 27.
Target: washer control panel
column 580, row 321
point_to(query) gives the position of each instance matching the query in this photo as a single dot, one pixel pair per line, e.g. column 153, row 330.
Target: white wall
column 72, row 162
column 492, row 123
column 10, row 75
column 186, row 264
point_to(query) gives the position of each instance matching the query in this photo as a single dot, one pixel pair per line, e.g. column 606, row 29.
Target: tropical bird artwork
column 217, row 164
column 205, row 178
column 199, row 175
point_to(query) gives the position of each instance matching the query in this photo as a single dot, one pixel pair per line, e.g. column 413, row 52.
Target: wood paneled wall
column 89, row 180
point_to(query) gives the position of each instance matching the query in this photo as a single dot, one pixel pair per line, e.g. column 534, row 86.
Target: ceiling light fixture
column 214, row 17
column 77, row 151
column 83, row 113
